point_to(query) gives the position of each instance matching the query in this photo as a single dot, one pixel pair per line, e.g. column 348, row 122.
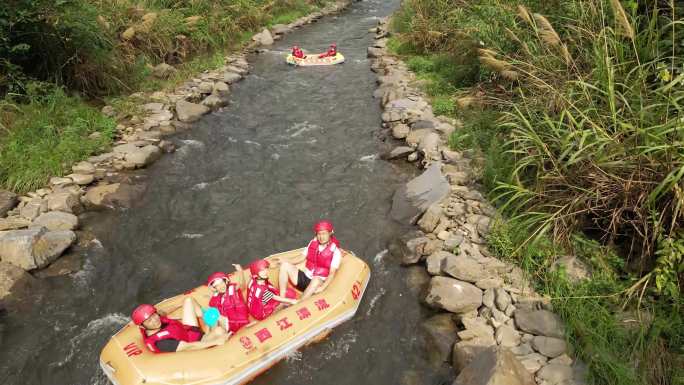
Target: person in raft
column 323, row 257
column 332, row 51
column 227, row 298
column 162, row 334
column 298, row 53
column 262, row 297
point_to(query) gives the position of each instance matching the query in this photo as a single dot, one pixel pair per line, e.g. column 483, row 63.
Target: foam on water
column 369, row 158
column 191, row 235
column 103, row 326
column 200, row 186
column 374, row 300
column 253, row 143
column 341, row 347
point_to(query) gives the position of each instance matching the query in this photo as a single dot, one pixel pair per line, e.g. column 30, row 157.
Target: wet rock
column 465, row 351
column 95, row 196
column 441, row 334
column 539, row 322
column 430, row 218
column 507, row 336
column 190, row 112
column 418, row 194
column 10, row 277
column 32, row 209
column 417, row 279
column 33, row 248
column 412, row 157
column 143, row 156
column 13, row 223
column 400, row 131
column 554, row 374
column 374, row 52
column 549, row 346
column 494, row 366
column 221, row 89
column 67, row 264
column 453, row 295
column 8, row 200
column 67, row 201
column 574, row 268
column 263, row 38
column 464, row 268
column 83, row 168
column 56, row 220
column 214, row 101
column 163, row 71
column 167, row 146
column 399, row 152
column 231, row 77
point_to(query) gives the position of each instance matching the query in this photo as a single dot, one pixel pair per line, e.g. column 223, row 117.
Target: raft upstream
column 252, row 350
column 314, row 60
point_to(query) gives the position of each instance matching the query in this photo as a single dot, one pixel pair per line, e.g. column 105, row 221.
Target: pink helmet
column 217, row 275
column 323, row 225
column 142, row 313
column 257, row 266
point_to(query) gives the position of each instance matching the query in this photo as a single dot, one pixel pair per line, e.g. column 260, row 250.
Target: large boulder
column 66, row 201
column 464, row 268
column 539, row 322
column 549, row 346
column 56, row 220
column 34, row 248
column 83, row 168
column 417, row 195
column 436, row 261
column 465, row 351
column 190, row 112
column 163, row 71
column 113, row 195
column 33, row 208
column 8, row 200
column 453, row 295
column 143, row 156
column 231, row 77
column 494, row 366
column 10, row 277
column 263, row 38
column 441, row 334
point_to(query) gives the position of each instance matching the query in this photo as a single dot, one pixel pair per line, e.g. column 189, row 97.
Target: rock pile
column 495, row 328
column 38, row 227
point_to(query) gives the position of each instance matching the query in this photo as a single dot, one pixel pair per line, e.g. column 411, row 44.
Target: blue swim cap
column 211, row 316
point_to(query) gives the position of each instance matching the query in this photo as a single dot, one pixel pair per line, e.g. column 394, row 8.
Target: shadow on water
column 295, row 145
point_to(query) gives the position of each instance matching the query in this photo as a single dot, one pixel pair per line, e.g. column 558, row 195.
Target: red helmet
column 217, row 275
column 323, row 225
column 143, row 312
column 257, row 266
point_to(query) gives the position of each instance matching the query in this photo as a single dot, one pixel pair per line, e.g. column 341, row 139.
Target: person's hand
column 293, row 302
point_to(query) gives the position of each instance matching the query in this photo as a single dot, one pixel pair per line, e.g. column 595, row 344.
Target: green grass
column 617, row 352
column 43, row 132
column 50, row 134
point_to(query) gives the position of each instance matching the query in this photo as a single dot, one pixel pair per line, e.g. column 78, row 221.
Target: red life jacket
column 257, row 308
column 298, row 53
column 171, row 330
column 232, row 306
column 318, row 262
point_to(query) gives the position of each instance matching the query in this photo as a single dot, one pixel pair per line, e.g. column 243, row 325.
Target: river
column 295, row 145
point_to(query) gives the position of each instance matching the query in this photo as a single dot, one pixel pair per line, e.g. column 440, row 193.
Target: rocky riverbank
column 38, row 227
column 493, row 328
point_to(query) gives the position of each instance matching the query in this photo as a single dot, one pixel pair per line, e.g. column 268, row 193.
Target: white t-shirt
column 334, row 264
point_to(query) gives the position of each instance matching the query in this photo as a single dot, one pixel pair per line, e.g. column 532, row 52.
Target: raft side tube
column 250, row 351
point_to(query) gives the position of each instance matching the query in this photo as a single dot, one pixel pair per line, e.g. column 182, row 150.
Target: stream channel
column 295, row 145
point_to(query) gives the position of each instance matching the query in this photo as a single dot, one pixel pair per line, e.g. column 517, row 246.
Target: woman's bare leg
column 288, row 272
column 191, row 312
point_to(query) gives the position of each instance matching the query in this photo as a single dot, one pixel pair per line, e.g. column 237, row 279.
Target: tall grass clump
column 585, row 144
column 49, row 132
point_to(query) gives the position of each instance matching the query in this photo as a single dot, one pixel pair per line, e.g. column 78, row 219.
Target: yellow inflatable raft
column 252, row 350
column 314, row 60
